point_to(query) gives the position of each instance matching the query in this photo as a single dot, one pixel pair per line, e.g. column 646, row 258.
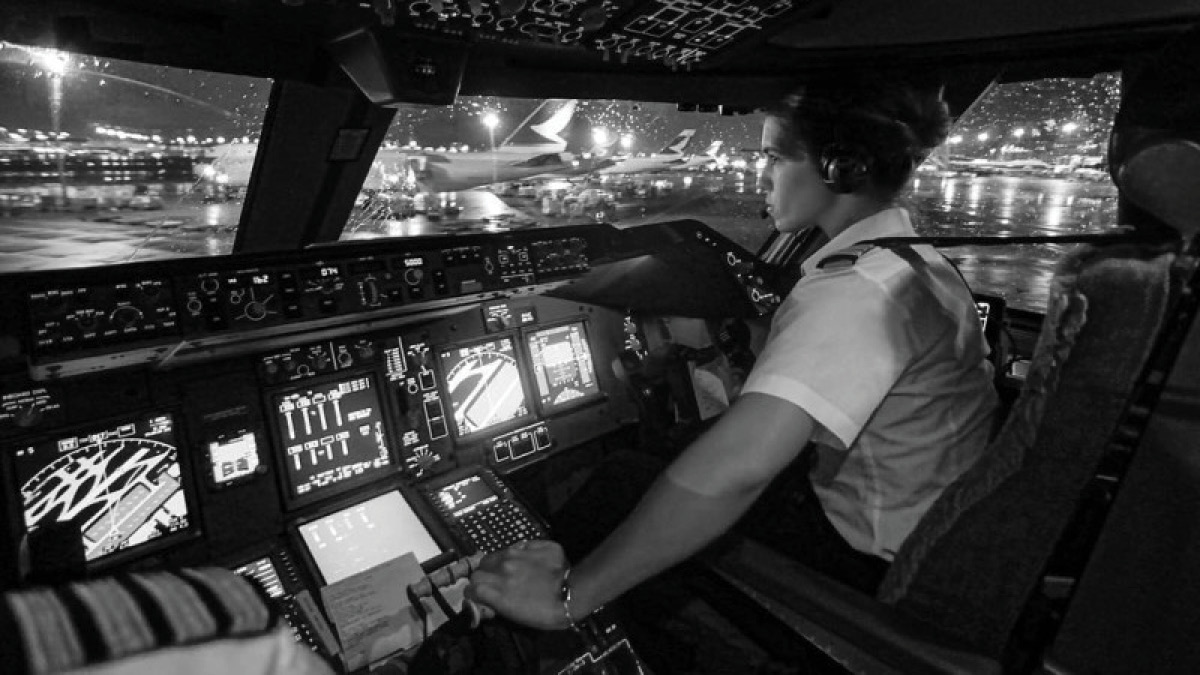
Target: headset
column 845, row 167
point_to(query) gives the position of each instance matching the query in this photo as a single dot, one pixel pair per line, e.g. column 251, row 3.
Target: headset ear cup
column 844, row 168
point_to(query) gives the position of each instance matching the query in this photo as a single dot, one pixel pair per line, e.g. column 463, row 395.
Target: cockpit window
column 105, row 161
column 491, row 164
column 1026, row 159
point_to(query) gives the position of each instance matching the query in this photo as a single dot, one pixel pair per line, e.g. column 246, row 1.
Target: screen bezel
column 547, row 411
column 291, row 500
column 522, row 361
column 188, row 480
column 430, row 519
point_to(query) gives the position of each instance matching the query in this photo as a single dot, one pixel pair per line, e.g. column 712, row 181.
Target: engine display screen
column 121, row 483
column 485, row 385
column 563, row 366
column 263, row 571
column 362, row 536
column 331, row 433
column 466, row 495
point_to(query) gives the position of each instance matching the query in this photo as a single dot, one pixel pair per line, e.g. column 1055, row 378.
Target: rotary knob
column 29, row 416
column 125, row 316
column 255, row 310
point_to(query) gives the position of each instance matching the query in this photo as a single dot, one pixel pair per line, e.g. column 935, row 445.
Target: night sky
column 177, row 103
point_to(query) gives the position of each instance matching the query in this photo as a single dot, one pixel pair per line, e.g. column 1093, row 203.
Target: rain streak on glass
column 105, row 161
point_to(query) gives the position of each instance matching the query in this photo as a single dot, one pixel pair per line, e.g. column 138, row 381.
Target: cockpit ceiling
column 660, row 49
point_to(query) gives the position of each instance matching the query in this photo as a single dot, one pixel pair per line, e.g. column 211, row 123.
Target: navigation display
column 331, row 433
column 121, row 484
column 485, row 385
column 362, row 536
column 563, row 367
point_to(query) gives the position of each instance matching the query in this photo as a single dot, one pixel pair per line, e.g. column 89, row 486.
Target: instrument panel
column 150, row 313
column 274, row 413
column 155, row 406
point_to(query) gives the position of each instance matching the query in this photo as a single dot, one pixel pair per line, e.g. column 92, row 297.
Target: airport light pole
column 491, row 120
column 55, row 63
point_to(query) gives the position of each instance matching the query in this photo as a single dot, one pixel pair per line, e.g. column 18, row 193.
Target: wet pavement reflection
column 1011, row 206
column 104, row 224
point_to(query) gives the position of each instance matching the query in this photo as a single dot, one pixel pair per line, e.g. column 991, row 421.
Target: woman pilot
column 876, row 358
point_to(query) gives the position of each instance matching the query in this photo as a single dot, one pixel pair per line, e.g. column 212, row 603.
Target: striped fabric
column 106, row 619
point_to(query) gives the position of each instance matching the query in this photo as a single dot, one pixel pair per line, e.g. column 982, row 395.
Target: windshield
column 1027, row 158
column 105, row 161
column 491, row 164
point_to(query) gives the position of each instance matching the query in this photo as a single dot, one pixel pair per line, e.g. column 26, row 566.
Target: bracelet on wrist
column 565, row 596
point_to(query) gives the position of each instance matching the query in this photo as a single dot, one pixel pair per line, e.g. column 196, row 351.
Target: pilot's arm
column 708, row 487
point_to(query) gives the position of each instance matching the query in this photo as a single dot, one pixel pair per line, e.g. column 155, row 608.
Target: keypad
column 499, row 525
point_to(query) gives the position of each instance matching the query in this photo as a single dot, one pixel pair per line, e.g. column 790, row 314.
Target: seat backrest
column 973, row 561
column 132, row 618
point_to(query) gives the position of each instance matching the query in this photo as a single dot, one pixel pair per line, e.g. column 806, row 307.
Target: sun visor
column 676, row 268
column 392, row 69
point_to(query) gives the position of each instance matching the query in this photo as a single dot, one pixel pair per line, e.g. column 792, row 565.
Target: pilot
column 875, row 360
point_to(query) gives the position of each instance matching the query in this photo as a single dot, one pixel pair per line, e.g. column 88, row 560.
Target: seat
column 957, row 587
column 193, row 621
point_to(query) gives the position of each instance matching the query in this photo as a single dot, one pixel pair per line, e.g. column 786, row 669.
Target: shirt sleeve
column 837, row 346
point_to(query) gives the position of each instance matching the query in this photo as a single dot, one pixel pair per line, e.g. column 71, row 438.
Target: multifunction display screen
column 331, row 434
column 362, row 536
column 466, row 495
column 121, row 484
column 484, row 385
column 563, row 367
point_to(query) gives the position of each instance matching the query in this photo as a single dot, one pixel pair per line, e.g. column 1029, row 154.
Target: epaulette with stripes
column 846, row 257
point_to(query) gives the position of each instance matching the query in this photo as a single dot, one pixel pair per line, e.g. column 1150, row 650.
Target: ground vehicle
column 293, row 308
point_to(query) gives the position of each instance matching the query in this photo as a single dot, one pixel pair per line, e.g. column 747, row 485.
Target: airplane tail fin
column 679, row 143
column 579, row 136
column 714, row 149
column 544, row 126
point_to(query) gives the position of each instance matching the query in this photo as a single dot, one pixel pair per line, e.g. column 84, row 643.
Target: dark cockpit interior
column 303, row 409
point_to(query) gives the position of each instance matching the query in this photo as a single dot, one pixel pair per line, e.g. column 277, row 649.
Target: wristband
column 565, row 596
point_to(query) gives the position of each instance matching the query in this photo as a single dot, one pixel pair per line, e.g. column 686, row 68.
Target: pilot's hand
column 523, row 583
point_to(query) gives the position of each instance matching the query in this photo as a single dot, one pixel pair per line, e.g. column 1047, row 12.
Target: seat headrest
column 1154, row 151
column 1160, row 174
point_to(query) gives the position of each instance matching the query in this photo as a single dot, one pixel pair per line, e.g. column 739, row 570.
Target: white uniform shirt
column 890, row 361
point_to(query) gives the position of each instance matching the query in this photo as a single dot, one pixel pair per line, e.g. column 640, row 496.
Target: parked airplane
column 697, row 161
column 658, row 161
column 549, row 139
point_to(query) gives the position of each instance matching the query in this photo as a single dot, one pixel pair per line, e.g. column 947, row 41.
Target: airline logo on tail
column 679, row 143
column 545, row 125
column 713, row 149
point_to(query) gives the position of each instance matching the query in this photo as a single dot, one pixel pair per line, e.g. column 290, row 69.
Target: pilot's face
column 796, row 196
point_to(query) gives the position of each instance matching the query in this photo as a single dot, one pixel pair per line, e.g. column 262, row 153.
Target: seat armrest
column 855, row 630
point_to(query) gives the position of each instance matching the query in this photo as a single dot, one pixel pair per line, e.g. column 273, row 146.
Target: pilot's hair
column 893, row 124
